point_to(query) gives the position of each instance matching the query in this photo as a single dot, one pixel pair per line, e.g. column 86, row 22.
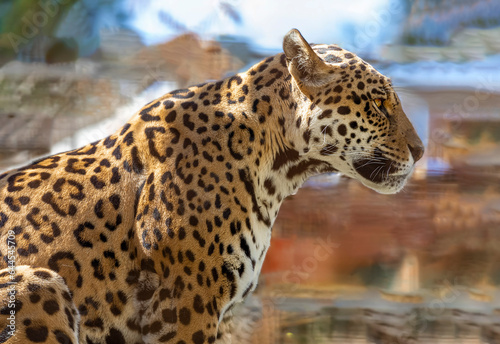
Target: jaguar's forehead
column 350, row 62
column 335, row 53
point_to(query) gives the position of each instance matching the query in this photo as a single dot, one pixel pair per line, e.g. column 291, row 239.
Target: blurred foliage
column 42, row 15
column 55, row 30
column 23, row 21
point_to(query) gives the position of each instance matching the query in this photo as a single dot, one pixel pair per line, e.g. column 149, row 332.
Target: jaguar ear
column 303, row 63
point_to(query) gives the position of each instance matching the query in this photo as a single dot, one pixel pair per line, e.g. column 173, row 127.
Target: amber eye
column 379, row 102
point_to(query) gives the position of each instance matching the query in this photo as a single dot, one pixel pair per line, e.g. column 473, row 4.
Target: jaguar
column 154, row 233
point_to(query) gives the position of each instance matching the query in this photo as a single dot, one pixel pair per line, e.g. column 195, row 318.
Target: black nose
column 416, row 151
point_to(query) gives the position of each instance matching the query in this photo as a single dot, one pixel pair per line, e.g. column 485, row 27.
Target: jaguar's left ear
column 303, row 63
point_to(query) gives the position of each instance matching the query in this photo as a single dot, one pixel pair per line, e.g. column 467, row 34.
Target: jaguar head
column 349, row 116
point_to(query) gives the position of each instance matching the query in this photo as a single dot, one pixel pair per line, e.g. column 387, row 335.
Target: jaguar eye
column 379, row 102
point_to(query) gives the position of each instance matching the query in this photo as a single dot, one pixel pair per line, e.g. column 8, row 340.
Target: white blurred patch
column 110, row 125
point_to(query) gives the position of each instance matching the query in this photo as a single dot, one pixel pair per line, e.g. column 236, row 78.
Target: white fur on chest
column 258, row 251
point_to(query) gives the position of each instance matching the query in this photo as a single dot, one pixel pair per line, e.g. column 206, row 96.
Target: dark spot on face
column 325, row 114
column 329, row 149
column 329, row 100
column 342, row 129
column 344, row 110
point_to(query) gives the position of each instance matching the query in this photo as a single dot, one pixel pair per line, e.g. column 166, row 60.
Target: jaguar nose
column 417, row 151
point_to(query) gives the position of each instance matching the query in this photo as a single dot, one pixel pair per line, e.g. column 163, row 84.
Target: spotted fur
column 152, row 234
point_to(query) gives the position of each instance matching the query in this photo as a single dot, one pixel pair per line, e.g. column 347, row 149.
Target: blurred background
column 346, row 265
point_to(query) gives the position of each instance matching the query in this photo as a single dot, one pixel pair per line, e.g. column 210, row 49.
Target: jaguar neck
column 278, row 167
column 288, row 162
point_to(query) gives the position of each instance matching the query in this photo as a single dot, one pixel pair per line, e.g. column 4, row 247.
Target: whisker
column 377, row 169
column 390, row 166
column 324, row 133
column 380, row 170
column 370, row 163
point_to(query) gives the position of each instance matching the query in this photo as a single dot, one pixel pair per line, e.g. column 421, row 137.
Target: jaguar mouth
column 377, row 168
